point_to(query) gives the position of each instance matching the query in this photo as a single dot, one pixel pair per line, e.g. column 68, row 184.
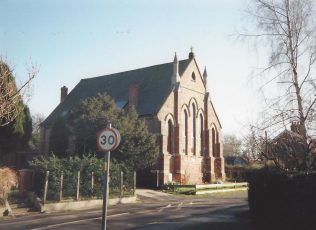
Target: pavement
column 150, row 195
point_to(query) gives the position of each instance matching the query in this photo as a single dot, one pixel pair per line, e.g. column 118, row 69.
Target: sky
column 73, row 39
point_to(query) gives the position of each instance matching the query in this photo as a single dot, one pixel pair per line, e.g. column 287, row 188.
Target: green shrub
column 276, row 197
column 70, row 167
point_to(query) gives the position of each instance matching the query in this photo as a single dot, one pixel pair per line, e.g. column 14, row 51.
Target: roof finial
column 205, row 79
column 175, row 57
column 191, row 54
column 175, row 75
column 205, row 72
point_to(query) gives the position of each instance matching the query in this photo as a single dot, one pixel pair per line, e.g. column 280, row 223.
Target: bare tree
column 37, row 119
column 9, row 179
column 11, row 94
column 231, row 145
column 287, row 28
column 252, row 145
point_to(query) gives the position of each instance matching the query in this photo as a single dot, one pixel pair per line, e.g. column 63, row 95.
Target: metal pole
column 106, row 186
column 106, row 189
column 157, row 178
column 134, row 189
column 121, row 187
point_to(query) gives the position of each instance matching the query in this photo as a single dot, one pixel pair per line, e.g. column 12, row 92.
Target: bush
column 8, row 180
column 276, row 197
column 70, row 167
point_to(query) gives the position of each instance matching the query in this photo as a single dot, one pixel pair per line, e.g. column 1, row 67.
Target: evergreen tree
column 137, row 150
column 10, row 94
column 15, row 119
column 16, row 135
column 91, row 116
column 138, row 147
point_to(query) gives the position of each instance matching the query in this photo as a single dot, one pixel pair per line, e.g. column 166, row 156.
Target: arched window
column 217, row 153
column 193, row 131
column 185, row 130
column 170, row 137
column 213, row 142
column 201, row 135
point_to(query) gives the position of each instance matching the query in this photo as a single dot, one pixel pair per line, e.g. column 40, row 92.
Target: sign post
column 107, row 139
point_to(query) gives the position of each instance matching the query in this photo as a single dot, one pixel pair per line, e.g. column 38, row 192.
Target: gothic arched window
column 193, row 131
column 201, row 135
column 170, row 137
column 213, row 142
column 185, row 130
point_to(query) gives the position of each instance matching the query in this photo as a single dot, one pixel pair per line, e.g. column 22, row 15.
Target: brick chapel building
column 174, row 101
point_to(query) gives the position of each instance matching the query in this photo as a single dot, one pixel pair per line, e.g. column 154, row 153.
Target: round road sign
column 108, row 139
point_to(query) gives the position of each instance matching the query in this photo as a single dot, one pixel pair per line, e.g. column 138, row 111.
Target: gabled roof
column 235, row 160
column 286, row 134
column 154, row 85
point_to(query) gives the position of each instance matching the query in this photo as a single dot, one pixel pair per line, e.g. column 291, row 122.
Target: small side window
column 193, row 76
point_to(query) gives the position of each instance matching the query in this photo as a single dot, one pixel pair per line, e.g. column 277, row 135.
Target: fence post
column 121, row 187
column 134, row 187
column 78, row 185
column 157, row 175
column 92, row 182
column 45, row 187
column 61, row 186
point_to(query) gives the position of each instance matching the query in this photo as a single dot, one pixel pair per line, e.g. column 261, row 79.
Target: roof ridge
column 154, row 84
column 84, row 79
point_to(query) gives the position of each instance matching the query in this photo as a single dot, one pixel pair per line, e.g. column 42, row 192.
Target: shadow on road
column 243, row 222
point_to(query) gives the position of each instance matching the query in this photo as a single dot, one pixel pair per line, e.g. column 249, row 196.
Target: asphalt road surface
column 152, row 211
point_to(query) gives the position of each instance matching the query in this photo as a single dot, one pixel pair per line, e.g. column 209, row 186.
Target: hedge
column 70, row 167
column 277, row 197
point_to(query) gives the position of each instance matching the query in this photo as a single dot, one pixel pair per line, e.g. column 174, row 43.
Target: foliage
column 15, row 119
column 92, row 115
column 276, row 197
column 11, row 95
column 34, row 142
column 70, row 167
column 16, row 135
column 138, row 146
column 58, row 143
column 138, row 149
column 8, row 180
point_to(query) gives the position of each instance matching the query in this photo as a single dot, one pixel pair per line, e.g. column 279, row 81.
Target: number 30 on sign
column 108, row 139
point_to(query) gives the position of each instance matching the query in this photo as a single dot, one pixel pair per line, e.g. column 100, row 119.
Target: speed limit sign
column 108, row 139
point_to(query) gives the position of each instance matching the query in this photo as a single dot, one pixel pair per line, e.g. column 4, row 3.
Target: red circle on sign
column 112, row 146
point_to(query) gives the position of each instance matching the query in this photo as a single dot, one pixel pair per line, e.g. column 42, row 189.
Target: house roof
column 154, row 85
column 286, row 134
column 235, row 160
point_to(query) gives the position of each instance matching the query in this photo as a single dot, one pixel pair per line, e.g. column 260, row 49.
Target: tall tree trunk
column 293, row 60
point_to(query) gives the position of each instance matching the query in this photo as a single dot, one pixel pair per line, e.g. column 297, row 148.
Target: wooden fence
column 78, row 182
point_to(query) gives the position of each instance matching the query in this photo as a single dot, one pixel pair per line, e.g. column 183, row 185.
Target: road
column 153, row 211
